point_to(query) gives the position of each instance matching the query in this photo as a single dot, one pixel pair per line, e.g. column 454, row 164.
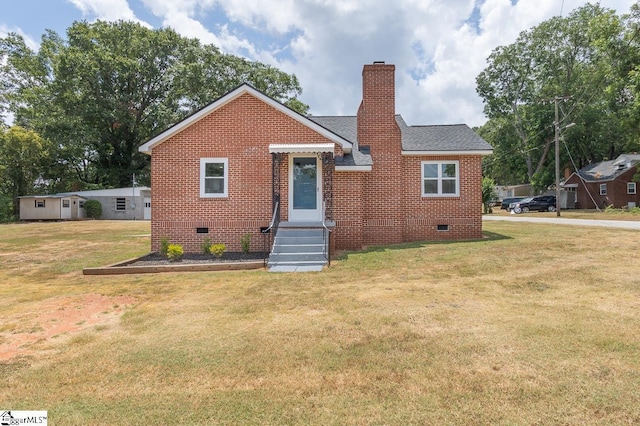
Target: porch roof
column 301, row 148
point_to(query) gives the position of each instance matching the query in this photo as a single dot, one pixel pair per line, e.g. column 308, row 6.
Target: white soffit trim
column 245, row 88
column 477, row 152
column 301, row 148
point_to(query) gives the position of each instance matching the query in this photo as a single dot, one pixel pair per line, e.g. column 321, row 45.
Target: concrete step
column 297, row 249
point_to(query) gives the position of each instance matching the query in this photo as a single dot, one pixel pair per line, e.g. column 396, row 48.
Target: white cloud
column 107, row 10
column 437, row 53
column 29, row 41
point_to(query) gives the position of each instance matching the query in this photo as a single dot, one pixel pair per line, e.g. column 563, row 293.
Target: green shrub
column 245, row 243
column 164, row 246
column 174, row 252
column 206, row 246
column 93, row 209
column 217, row 249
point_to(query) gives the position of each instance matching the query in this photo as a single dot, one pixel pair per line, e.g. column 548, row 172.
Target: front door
column 65, row 208
column 305, row 188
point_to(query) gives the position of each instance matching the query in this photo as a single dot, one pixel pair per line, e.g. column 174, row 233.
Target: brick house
column 224, row 171
column 608, row 183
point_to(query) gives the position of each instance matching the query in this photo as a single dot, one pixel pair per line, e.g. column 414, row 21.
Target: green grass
column 534, row 324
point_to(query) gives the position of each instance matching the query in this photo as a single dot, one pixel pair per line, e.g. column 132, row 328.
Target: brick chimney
column 376, row 114
column 377, row 128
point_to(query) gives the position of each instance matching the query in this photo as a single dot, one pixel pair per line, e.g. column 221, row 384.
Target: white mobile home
column 52, row 207
column 117, row 203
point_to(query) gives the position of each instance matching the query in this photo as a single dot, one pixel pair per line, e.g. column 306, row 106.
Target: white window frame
column 225, row 163
column 631, row 188
column 439, row 179
column 40, row 204
column 603, row 189
column 67, row 202
column 120, row 203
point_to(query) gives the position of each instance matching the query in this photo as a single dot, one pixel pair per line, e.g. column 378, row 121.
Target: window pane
column 430, row 171
column 448, row 186
column 214, row 170
column 430, row 186
column 448, row 170
column 214, row 186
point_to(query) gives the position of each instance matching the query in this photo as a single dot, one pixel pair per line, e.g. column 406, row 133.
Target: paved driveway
column 622, row 224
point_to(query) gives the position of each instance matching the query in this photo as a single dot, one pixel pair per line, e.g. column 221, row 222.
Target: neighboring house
column 51, row 207
column 609, row 183
column 117, row 203
column 510, row 191
column 224, row 171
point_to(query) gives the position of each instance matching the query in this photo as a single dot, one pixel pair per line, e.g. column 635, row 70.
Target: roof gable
column 231, row 96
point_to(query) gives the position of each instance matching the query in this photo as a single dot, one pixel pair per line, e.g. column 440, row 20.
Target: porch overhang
column 301, row 148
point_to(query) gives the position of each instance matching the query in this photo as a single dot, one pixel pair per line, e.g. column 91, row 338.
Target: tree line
column 588, row 62
column 82, row 105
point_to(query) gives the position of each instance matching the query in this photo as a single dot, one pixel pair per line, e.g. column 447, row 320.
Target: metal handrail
column 326, row 235
column 271, row 229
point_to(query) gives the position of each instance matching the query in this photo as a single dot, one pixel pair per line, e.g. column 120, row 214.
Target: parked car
column 542, row 203
column 504, row 205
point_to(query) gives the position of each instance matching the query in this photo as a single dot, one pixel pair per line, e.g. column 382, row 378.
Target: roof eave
column 353, row 168
column 464, row 152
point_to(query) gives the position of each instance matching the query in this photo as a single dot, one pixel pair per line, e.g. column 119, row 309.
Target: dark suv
column 542, row 203
column 506, row 202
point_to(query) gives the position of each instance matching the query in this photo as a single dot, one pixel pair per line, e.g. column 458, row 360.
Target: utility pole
column 556, row 125
column 557, row 137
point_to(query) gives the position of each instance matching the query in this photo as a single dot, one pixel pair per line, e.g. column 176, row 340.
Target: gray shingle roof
column 347, row 128
column 453, row 137
column 609, row 170
column 446, row 138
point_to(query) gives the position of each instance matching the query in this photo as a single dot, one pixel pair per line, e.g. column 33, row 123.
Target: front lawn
column 535, row 324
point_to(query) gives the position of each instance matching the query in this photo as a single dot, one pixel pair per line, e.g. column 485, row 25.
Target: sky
column 437, row 46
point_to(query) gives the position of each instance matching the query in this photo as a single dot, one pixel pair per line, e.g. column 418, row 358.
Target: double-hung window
column 214, row 177
column 440, row 178
column 603, row 189
column 631, row 187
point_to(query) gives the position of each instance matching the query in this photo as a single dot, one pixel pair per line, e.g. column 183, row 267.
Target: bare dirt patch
column 57, row 319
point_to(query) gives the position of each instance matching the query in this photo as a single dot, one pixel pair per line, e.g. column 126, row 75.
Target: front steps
column 298, row 248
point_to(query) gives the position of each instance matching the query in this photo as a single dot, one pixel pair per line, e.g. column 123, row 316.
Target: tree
column 489, row 193
column 111, row 86
column 573, row 61
column 24, row 157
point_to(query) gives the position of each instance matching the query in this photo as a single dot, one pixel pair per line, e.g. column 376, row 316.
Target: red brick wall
column 348, row 209
column 240, row 131
column 462, row 214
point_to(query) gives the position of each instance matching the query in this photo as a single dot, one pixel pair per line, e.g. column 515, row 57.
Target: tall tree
column 569, row 60
column 24, row 158
column 111, row 86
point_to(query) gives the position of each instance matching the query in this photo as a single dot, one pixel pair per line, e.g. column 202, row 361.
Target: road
column 621, row 224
